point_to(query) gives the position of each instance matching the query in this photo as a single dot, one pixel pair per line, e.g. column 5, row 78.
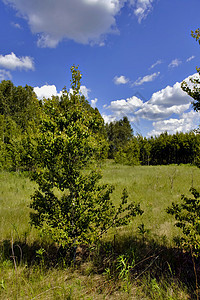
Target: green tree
column 119, row 133
column 193, row 89
column 187, row 215
column 20, row 112
column 145, row 150
column 129, row 154
column 19, row 103
column 69, row 204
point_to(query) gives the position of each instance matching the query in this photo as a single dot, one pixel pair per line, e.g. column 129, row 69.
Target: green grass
column 153, row 269
column 155, row 188
column 15, row 191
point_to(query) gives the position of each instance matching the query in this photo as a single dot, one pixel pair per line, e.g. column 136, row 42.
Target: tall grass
column 15, row 191
column 138, row 261
column 155, row 188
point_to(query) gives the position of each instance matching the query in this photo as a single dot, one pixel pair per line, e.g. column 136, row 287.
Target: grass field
column 139, row 261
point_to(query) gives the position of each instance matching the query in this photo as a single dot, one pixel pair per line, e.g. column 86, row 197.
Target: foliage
column 193, row 90
column 129, row 154
column 119, row 134
column 187, row 215
column 196, row 34
column 193, row 87
column 69, row 205
column 174, row 149
column 144, row 150
column 179, row 148
column 20, row 112
column 19, row 103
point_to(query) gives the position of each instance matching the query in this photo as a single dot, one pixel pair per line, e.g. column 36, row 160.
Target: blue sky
column 133, row 55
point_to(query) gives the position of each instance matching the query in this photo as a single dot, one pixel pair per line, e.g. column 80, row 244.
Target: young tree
column 69, row 204
column 187, row 215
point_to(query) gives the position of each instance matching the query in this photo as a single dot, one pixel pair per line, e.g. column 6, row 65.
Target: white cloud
column 120, row 80
column 83, row 21
column 94, row 102
column 156, row 112
column 84, row 91
column 169, row 96
column 187, row 122
column 169, row 109
column 168, row 102
column 12, row 62
column 158, row 62
column 4, row 75
column 147, row 78
column 121, row 108
column 108, row 118
column 175, row 63
column 164, row 103
column 142, row 8
column 46, row 91
column 190, row 58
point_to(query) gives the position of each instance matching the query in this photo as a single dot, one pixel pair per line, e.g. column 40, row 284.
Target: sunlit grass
column 154, row 187
column 15, row 192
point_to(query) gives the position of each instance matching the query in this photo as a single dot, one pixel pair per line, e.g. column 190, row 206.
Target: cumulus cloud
column 47, row 91
column 147, row 78
column 186, row 122
column 12, row 62
column 83, row 21
column 4, row 75
column 156, row 112
column 94, row 102
column 175, row 63
column 162, row 104
column 190, row 58
column 169, row 109
column 123, row 107
column 120, row 80
column 108, row 118
column 84, row 91
column 169, row 96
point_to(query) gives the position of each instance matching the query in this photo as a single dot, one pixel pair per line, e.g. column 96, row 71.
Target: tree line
column 21, row 113
column 126, row 148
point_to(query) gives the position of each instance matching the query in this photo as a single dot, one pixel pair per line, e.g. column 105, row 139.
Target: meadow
column 138, row 261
